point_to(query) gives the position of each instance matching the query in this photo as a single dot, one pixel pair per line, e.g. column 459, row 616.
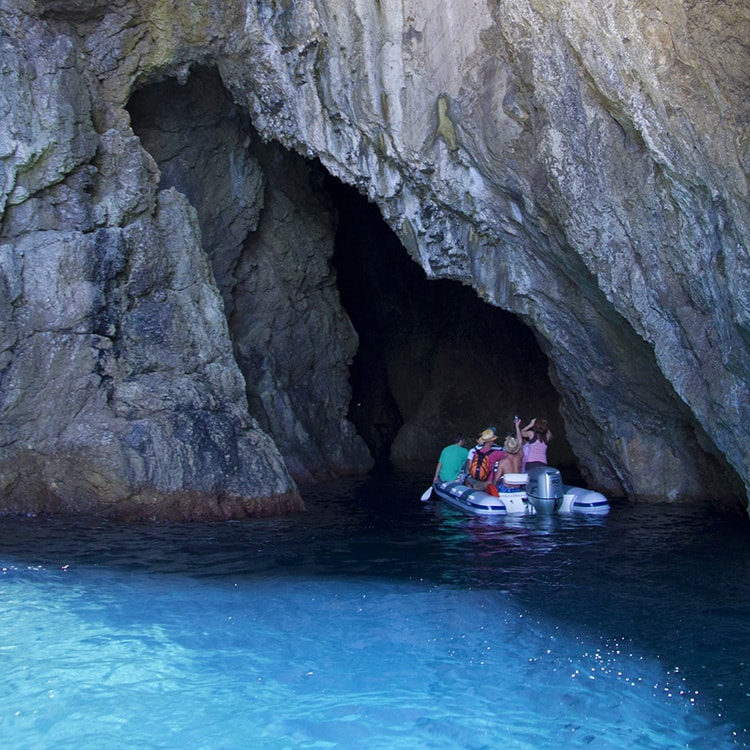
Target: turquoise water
column 377, row 621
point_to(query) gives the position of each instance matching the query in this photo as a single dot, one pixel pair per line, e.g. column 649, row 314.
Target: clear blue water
column 377, row 621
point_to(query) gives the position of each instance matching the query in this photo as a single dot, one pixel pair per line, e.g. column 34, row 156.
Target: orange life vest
column 479, row 466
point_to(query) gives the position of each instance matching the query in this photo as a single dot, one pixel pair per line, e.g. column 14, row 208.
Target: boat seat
column 515, row 478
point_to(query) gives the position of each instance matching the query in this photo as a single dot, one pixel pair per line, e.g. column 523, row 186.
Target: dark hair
column 458, row 437
column 540, row 430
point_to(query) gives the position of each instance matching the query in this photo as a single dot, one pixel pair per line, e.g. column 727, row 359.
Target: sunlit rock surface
column 171, row 342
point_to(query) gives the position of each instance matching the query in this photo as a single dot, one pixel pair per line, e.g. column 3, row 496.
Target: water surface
column 376, row 621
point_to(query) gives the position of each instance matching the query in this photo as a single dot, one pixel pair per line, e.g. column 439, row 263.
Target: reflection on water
column 375, row 620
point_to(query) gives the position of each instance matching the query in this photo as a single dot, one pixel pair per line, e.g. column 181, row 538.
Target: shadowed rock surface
column 186, row 279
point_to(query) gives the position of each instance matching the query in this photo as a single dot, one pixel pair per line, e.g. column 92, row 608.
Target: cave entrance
column 289, row 246
column 433, row 359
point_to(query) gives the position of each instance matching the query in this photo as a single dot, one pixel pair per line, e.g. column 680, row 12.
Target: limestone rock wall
column 119, row 391
column 582, row 164
column 269, row 234
column 292, row 338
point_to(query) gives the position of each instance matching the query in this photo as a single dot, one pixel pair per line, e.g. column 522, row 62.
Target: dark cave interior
column 433, row 359
column 430, row 351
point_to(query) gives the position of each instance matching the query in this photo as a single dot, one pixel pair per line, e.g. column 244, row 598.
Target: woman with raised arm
column 537, row 435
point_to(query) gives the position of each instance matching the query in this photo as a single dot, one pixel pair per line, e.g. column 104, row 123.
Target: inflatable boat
column 539, row 491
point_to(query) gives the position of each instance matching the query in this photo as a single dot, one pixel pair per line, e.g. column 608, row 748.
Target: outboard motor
column 545, row 489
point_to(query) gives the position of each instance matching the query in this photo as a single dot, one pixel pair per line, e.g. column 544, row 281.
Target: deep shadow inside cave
column 432, row 358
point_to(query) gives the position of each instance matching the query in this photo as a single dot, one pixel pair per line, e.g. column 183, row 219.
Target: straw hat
column 511, row 445
column 488, row 436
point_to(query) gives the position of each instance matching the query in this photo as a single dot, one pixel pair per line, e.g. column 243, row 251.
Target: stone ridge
column 581, row 164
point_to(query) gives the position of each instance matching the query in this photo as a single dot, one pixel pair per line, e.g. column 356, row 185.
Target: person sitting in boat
column 538, row 435
column 451, row 461
column 482, row 460
column 511, row 463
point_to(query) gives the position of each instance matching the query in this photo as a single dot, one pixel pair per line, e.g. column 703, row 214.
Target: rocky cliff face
column 172, row 343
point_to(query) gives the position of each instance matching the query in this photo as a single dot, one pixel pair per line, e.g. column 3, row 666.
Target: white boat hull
column 479, row 503
column 580, row 500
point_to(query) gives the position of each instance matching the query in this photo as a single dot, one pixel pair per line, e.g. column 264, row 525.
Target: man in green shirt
column 451, row 460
